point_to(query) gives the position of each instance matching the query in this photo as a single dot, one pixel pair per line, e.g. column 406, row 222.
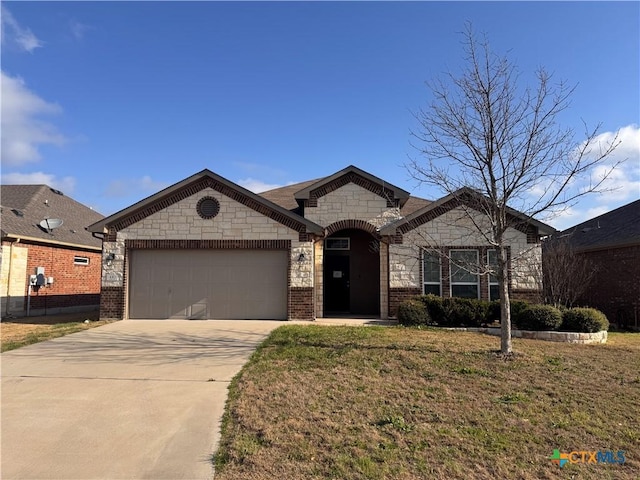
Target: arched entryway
column 351, row 276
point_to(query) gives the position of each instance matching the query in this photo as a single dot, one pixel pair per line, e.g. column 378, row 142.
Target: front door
column 337, row 284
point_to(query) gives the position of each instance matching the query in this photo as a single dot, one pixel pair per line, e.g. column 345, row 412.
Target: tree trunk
column 505, row 302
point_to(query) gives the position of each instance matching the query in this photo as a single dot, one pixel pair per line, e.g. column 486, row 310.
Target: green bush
column 493, row 310
column 517, row 307
column 539, row 317
column 434, row 306
column 455, row 312
column 586, row 320
column 412, row 312
column 465, row 312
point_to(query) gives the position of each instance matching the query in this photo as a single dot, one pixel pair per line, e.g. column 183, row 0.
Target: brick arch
column 353, row 224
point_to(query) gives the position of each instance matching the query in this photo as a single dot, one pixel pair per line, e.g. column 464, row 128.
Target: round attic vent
column 208, row 207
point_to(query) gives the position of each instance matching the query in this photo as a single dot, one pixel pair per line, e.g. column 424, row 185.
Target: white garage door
column 208, row 284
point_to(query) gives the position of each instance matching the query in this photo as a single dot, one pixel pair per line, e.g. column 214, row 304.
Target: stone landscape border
column 567, row 337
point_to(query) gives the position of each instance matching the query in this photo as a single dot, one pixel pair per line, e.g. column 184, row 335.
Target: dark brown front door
column 351, row 274
column 337, row 284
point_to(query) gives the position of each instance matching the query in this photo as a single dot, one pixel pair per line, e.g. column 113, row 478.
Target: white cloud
column 622, row 186
column 126, row 187
column 23, row 131
column 78, row 29
column 13, row 34
column 624, row 182
column 65, row 184
column 257, row 186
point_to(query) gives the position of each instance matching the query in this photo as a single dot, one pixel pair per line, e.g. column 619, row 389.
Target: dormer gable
column 395, row 197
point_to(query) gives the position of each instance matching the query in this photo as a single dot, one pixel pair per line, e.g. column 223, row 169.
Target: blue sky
column 112, row 101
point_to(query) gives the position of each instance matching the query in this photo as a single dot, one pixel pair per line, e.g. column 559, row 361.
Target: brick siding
column 301, row 303
column 112, row 302
column 615, row 290
column 399, row 295
column 73, row 285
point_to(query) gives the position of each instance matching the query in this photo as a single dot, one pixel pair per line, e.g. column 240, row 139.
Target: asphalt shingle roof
column 284, row 196
column 23, row 207
column 616, row 228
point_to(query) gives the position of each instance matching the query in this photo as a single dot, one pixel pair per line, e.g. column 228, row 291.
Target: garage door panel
column 225, row 284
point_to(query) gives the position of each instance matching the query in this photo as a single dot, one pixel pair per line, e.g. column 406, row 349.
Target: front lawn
column 395, row 403
column 20, row 332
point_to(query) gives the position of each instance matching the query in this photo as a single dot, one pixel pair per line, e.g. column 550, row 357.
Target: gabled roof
column 351, row 172
column 285, row 197
column 25, row 206
column 617, row 228
column 463, row 195
column 189, row 186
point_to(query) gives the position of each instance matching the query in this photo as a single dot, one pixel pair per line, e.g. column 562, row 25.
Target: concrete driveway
column 133, row 399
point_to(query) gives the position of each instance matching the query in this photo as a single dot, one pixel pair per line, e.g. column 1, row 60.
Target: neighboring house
column 611, row 243
column 50, row 263
column 346, row 244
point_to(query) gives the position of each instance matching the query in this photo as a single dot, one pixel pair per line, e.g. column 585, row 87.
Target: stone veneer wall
column 454, row 229
column 354, row 203
column 235, row 226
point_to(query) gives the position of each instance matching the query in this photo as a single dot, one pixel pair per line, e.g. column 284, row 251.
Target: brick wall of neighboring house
column 75, row 286
column 615, row 290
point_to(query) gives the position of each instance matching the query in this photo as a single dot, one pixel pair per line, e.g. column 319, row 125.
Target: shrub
column 586, row 320
column 465, row 312
column 435, row 308
column 517, row 307
column 412, row 312
column 539, row 317
column 493, row 310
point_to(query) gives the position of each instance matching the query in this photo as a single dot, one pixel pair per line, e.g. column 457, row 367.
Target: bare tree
column 566, row 274
column 486, row 132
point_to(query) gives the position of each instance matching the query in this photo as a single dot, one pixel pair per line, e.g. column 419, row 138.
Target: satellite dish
column 49, row 224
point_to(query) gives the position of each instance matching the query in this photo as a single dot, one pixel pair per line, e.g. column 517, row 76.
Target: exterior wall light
column 301, row 258
column 110, row 258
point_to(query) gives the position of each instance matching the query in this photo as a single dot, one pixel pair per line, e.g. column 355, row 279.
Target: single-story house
column 346, row 244
column 49, row 263
column 611, row 244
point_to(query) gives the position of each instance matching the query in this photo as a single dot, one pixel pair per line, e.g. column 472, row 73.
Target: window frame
column 492, row 281
column 81, row 260
column 425, row 253
column 453, row 266
column 327, row 247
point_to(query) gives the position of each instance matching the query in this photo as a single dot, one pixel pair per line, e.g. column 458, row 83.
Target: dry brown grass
column 393, row 403
column 18, row 332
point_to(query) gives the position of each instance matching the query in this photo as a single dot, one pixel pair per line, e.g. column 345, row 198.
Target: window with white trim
column 492, row 262
column 431, row 273
column 77, row 260
column 464, row 283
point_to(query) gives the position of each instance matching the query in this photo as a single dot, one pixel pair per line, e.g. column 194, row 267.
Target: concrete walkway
column 130, row 400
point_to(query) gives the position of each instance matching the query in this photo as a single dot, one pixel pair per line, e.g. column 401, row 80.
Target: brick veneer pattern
column 301, row 303
column 112, row 303
column 399, row 295
column 353, row 224
column 209, row 244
